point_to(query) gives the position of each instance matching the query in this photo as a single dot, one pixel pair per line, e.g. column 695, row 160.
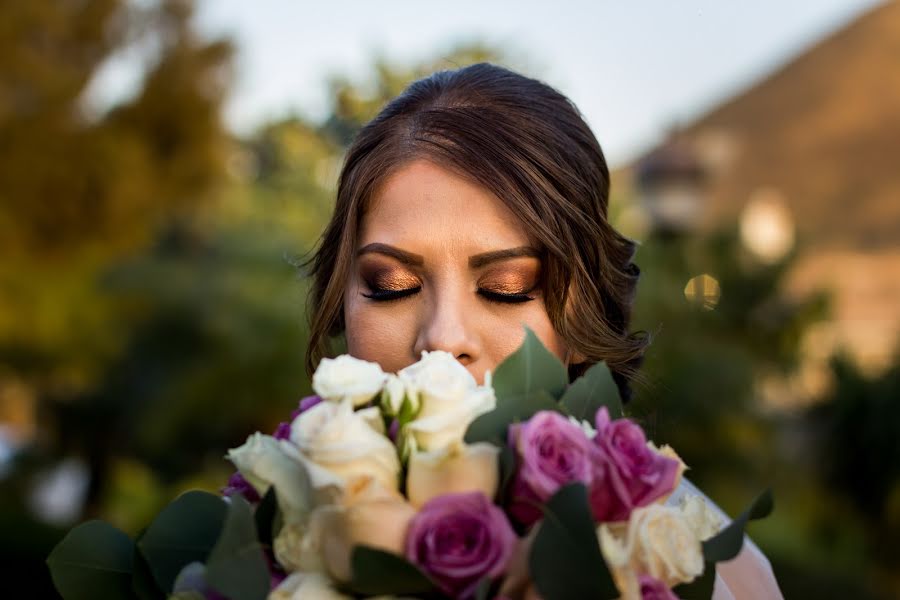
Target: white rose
column 298, row 546
column 585, row 426
column 460, row 468
column 701, row 519
column 393, row 397
column 366, row 514
column 264, row 461
column 345, row 377
column 347, row 444
column 656, row 541
column 377, row 520
column 449, row 400
column 303, row 586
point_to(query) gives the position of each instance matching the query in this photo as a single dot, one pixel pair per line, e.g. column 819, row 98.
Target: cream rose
column 370, row 516
column 657, row 541
column 459, row 468
column 700, row 518
column 449, row 400
column 264, row 461
column 366, row 514
column 347, row 444
column 394, row 399
column 301, row 586
column 345, row 377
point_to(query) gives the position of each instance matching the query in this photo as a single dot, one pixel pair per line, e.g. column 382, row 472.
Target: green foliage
column 529, row 369
column 588, row 393
column 529, row 380
column 565, row 560
column 236, row 567
column 92, row 561
column 726, row 544
column 377, row 572
column 186, row 531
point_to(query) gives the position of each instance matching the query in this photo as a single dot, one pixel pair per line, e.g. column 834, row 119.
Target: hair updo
column 527, row 144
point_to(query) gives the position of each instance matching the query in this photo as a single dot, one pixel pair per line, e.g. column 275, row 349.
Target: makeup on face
column 511, row 275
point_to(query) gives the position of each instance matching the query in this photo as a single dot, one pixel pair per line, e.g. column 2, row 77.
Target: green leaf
column 699, row 589
column 492, row 427
column 265, row 516
column 142, row 581
column 236, row 567
column 483, row 591
column 93, row 561
column 592, row 390
column 376, row 572
column 529, row 380
column 565, row 560
column 184, row 532
column 529, row 369
column 726, row 544
column 507, row 460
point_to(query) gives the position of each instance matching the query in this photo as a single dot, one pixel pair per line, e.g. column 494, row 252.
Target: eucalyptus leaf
column 565, row 560
column 142, row 581
column 726, row 544
column 529, row 380
column 264, row 515
column 492, row 427
column 376, row 572
column 93, row 561
column 529, row 369
column 483, row 591
column 507, row 469
column 236, row 567
column 184, row 532
column 592, row 390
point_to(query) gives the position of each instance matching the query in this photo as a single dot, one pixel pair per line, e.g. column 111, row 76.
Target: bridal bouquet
column 423, row 484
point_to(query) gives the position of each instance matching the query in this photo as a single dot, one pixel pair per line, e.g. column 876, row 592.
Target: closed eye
column 380, row 295
column 505, row 298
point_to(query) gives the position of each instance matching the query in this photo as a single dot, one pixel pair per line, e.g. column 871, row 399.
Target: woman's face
column 442, row 264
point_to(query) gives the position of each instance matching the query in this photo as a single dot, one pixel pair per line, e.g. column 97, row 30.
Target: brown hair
column 529, row 145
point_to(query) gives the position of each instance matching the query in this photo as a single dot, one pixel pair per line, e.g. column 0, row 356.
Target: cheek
column 508, row 334
column 381, row 336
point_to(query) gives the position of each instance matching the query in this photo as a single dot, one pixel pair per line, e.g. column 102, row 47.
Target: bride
column 473, row 204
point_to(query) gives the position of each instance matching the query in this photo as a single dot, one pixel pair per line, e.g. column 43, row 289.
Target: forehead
column 423, row 206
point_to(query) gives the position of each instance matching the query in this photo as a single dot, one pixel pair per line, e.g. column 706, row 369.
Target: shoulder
column 750, row 574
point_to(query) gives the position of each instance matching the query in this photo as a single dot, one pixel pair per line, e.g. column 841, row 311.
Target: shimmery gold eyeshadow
column 508, row 282
column 390, row 279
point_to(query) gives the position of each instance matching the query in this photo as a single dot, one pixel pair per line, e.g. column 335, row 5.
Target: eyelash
column 380, row 295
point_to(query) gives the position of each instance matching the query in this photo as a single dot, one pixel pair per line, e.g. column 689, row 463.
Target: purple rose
column 552, row 451
column 654, row 589
column 627, row 472
column 306, row 403
column 238, row 485
column 283, row 431
column 458, row 540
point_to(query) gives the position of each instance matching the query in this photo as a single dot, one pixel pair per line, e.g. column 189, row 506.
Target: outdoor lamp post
column 671, row 189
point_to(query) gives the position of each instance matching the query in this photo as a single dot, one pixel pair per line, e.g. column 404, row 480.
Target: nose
column 447, row 325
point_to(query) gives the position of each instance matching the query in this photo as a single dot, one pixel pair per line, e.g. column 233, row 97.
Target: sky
column 634, row 68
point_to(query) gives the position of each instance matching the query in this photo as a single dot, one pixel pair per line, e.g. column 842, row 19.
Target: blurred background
column 164, row 165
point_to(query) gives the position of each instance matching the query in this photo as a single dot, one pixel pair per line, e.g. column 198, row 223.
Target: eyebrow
column 476, row 261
